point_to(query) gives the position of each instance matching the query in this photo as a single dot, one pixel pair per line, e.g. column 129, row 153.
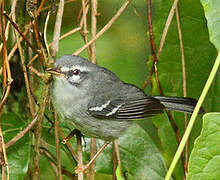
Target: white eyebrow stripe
column 81, row 68
column 100, row 108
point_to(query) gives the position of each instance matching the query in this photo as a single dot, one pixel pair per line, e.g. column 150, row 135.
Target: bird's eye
column 74, row 72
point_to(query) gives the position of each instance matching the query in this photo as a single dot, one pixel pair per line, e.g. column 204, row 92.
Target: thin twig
column 154, row 67
column 38, row 130
column 21, row 134
column 57, row 4
column 117, row 155
column 93, row 149
column 13, row 50
column 40, row 8
column 73, row 153
column 45, row 35
column 60, row 38
column 85, row 7
column 6, row 34
column 115, row 163
column 41, row 53
column 153, row 46
column 150, row 29
column 31, row 74
column 7, row 79
column 57, row 29
column 165, row 30
column 70, row 33
column 13, row 22
column 42, row 105
column 56, row 126
column 148, row 79
column 94, row 5
column 51, row 159
column 27, row 85
column 81, row 169
column 6, row 89
column 3, row 159
column 32, row 60
column 184, row 84
column 105, row 28
column 39, row 74
column 80, row 155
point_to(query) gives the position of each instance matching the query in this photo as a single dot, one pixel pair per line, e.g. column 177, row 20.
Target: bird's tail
column 179, row 103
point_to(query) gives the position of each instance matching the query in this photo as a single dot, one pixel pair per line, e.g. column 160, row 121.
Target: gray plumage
column 96, row 102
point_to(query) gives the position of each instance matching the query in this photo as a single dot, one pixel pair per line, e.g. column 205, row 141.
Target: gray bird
column 96, row 102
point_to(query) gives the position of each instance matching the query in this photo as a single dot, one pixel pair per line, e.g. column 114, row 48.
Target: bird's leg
column 82, row 169
column 70, row 135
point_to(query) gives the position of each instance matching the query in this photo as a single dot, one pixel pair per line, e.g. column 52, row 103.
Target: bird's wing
column 131, row 108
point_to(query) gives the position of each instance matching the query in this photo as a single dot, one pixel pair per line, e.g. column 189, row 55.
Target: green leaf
column 18, row 154
column 199, row 55
column 212, row 10
column 118, row 174
column 204, row 161
column 140, row 157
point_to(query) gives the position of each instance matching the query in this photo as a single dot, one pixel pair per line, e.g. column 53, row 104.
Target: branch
column 93, row 148
column 57, row 29
column 13, row 22
column 80, row 155
column 84, row 33
column 105, row 28
column 165, row 30
column 185, row 161
column 6, row 90
column 21, row 134
column 59, row 166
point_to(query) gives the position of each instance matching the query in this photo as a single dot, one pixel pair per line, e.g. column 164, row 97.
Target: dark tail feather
column 179, row 104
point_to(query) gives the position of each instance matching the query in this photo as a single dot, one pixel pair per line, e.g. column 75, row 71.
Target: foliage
column 204, row 161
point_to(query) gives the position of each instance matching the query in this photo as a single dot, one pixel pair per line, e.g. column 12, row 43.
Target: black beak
column 54, row 71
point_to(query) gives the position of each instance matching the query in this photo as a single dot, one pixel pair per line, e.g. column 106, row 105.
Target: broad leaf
column 205, row 158
column 19, row 153
column 199, row 56
column 211, row 8
column 140, row 157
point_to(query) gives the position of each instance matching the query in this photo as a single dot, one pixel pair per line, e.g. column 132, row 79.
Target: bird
column 95, row 101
